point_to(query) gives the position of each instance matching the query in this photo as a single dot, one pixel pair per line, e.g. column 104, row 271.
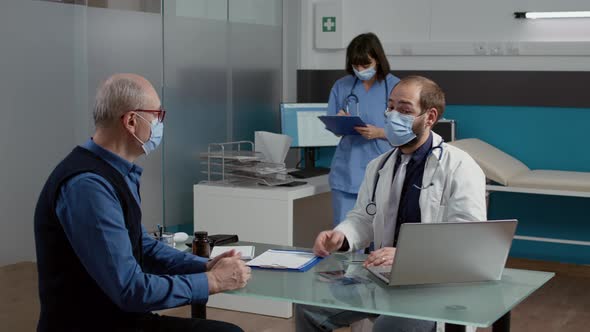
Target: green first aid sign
column 328, row 24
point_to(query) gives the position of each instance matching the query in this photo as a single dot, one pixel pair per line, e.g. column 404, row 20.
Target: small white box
column 246, row 251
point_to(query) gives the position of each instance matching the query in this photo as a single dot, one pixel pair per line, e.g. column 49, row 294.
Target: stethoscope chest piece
column 371, row 209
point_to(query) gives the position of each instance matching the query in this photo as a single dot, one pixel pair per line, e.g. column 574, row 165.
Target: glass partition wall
column 222, row 71
column 216, row 64
column 54, row 56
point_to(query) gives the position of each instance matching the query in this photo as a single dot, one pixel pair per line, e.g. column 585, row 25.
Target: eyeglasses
column 159, row 113
column 406, row 112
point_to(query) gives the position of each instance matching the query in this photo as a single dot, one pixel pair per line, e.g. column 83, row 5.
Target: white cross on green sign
column 328, row 24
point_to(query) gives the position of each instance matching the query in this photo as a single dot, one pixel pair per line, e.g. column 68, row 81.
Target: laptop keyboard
column 387, row 275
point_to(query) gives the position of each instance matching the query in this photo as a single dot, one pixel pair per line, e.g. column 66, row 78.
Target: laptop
column 449, row 253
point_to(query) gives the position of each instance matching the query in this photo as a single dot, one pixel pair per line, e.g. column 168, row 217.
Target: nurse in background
column 363, row 93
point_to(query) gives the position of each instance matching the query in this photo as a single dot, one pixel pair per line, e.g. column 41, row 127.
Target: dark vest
column 70, row 299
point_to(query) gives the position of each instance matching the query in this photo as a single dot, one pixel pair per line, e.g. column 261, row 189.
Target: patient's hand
column 228, row 273
column 383, row 256
column 327, row 242
column 217, row 258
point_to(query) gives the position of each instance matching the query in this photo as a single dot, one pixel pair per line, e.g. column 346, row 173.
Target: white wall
column 455, row 25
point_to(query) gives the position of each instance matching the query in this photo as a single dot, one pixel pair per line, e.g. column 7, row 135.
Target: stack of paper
column 274, row 147
column 285, row 260
column 246, row 251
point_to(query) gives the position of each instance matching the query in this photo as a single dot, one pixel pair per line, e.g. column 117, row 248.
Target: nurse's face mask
column 365, row 75
column 365, row 72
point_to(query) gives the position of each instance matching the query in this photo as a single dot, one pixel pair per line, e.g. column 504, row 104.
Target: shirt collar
column 422, row 152
column 123, row 166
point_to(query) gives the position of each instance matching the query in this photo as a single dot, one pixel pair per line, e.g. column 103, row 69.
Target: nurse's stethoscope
column 354, row 98
column 371, row 208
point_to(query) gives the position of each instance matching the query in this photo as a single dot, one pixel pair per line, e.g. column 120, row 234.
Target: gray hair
column 115, row 97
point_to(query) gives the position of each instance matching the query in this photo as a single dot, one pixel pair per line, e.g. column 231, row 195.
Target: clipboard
column 342, row 125
column 285, row 260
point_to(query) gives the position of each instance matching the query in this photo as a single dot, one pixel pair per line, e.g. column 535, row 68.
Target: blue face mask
column 157, row 131
column 365, row 75
column 398, row 128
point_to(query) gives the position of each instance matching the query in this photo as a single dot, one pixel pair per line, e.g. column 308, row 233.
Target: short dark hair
column 431, row 95
column 361, row 48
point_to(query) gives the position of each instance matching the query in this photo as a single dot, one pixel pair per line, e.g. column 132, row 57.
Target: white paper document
column 282, row 259
column 274, row 147
column 312, row 131
column 246, row 251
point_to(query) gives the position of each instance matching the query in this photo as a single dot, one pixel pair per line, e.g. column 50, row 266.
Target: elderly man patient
column 422, row 179
column 98, row 268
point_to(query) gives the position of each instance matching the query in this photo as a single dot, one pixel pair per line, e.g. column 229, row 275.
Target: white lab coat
column 457, row 194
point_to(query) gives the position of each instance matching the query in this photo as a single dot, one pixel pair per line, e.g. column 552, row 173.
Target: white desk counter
column 291, row 216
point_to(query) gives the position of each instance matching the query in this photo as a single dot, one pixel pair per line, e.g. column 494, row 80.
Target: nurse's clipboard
column 342, row 125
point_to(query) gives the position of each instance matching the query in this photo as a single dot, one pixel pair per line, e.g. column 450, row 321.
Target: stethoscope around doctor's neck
column 352, row 97
column 371, row 208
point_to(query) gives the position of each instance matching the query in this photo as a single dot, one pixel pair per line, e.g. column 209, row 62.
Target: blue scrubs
column 354, row 152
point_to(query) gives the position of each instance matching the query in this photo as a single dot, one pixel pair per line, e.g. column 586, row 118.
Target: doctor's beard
column 419, row 128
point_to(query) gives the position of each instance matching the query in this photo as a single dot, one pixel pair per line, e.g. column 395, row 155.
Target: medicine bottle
column 201, row 245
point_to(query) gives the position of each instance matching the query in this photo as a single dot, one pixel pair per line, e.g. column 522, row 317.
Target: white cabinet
column 276, row 215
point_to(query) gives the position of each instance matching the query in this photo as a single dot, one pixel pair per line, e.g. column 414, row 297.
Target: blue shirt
column 93, row 221
column 354, row 152
column 409, row 203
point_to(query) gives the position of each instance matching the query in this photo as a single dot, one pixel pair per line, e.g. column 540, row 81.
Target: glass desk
column 476, row 304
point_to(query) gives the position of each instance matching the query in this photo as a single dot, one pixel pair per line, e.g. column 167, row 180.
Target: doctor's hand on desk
column 371, row 132
column 383, row 256
column 228, row 273
column 327, row 242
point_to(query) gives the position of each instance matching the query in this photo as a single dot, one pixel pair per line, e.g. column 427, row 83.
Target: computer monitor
column 301, row 123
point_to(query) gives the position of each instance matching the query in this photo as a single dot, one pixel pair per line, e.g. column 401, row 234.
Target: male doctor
column 422, row 179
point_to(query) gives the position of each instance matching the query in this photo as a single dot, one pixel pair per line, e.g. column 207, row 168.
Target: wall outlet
column 496, row 48
column 406, row 49
column 512, row 48
column 480, row 48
